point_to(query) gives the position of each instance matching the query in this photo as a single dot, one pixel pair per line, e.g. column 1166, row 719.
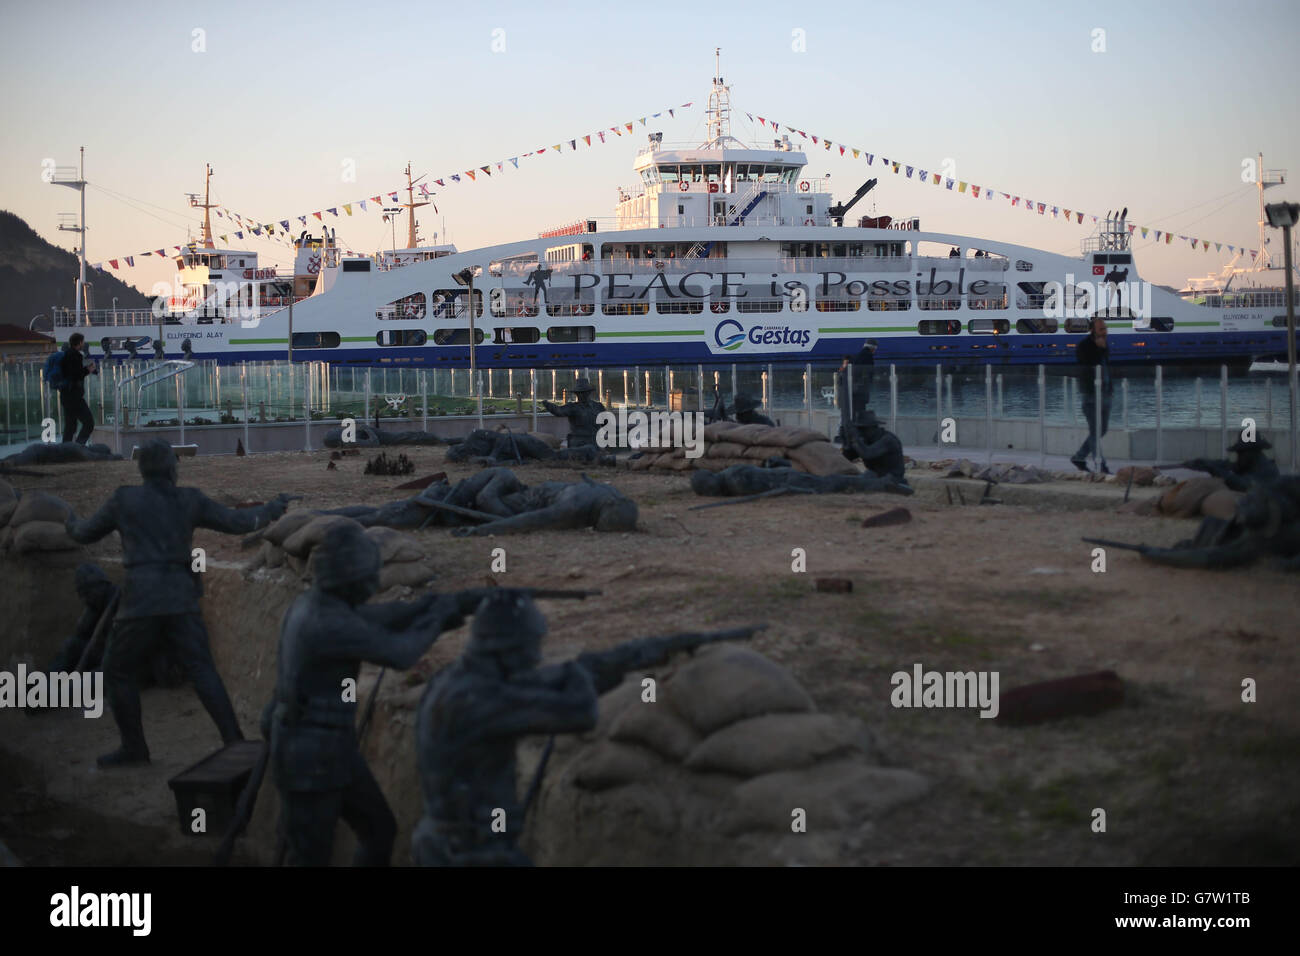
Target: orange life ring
column 684, row 186
column 804, row 186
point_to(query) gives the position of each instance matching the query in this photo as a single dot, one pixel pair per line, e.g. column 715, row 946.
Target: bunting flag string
column 974, row 191
column 254, row 227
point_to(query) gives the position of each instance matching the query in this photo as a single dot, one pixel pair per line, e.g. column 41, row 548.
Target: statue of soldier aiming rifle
column 310, row 723
column 473, row 712
column 581, row 414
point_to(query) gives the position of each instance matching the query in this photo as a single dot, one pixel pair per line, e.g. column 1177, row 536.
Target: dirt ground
column 1186, row 771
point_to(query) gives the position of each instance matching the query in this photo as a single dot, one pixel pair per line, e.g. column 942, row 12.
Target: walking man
column 1092, row 352
column 72, row 392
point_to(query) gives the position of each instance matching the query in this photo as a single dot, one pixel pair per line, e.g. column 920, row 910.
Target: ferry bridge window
column 401, row 337
column 407, row 308
column 839, row 305
column 1032, row 295
column 892, row 302
column 752, row 305
column 316, row 340
column 1076, row 325
column 567, row 308
column 668, row 174
column 456, row 337
column 939, row 303
column 994, row 296
column 517, row 335
column 939, row 327
column 988, row 326
column 1036, row 326
column 512, row 302
column 571, row 333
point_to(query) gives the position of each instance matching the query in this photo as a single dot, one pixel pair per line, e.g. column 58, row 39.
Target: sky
column 1148, row 104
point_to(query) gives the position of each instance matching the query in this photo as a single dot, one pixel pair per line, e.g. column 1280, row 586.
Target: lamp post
column 1283, row 215
column 465, row 277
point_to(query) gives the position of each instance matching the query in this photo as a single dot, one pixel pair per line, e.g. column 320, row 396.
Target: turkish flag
column 1099, row 270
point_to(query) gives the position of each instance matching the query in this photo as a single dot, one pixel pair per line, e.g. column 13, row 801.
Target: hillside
column 35, row 275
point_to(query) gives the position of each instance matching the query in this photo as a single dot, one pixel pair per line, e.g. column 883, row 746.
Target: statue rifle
column 101, row 628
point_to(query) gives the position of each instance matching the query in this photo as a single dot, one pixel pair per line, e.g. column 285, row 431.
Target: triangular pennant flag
column 1055, row 212
column 751, row 117
column 487, row 171
column 347, row 208
column 826, row 144
column 671, row 113
column 1067, row 214
column 656, row 115
column 438, row 181
column 948, row 183
column 455, row 177
column 556, row 147
column 909, row 172
column 869, row 158
column 601, row 134
column 218, row 212
column 500, row 166
column 937, row 178
column 319, row 216
column 988, row 194
column 855, row 154
column 113, row 263
column 642, row 120
column 841, row 150
column 587, row 139
column 303, row 219
column 163, row 252
column 1218, row 246
column 130, row 261
column 1169, row 237
column 1158, row 231
column 686, row 106
column 961, row 187
column 896, row 167
column 146, row 253
column 1042, row 207
column 469, row 173
column 1230, row 249
column 814, row 139
column 334, row 211
column 629, row 127
column 514, row 161
column 802, row 133
column 378, row 200
column 284, row 224
column 238, row 235
column 1080, row 217
column 1015, row 200
column 1144, row 232
column 975, row 191
column 922, row 175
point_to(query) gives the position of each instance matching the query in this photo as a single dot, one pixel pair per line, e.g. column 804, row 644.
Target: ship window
column 401, row 337
column 1076, row 325
column 518, row 335
column 679, row 307
column 1023, row 266
column 994, row 296
column 317, row 340
column 939, row 303
column 450, row 303
column 839, row 305
column 988, row 326
column 408, row 308
column 571, row 333
column 512, row 302
column 356, row 265
column 1036, row 326
column 1162, row 323
column 456, row 337
column 668, row 174
column 1279, row 321
column 625, row 308
column 939, row 327
column 758, row 305
column 1031, row 295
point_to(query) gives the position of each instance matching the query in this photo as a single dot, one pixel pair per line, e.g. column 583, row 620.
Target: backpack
column 54, row 370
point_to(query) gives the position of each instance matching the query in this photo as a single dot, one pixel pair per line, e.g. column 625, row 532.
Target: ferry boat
column 722, row 252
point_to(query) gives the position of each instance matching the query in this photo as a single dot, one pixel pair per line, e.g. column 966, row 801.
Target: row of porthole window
column 412, row 338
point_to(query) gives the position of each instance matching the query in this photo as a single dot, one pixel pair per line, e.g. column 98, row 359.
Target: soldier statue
column 581, row 414
column 160, row 598
column 473, row 712
column 880, row 450
column 310, row 723
column 747, row 411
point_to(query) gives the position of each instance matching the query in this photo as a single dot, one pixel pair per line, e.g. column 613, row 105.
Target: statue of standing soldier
column 160, row 598
column 581, row 414
column 310, row 723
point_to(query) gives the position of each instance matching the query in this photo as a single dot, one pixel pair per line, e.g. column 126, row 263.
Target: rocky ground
column 1186, row 772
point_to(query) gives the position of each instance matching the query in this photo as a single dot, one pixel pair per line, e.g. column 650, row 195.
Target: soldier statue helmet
column 1259, row 445
column 157, row 460
column 746, row 403
column 347, row 563
column 508, row 627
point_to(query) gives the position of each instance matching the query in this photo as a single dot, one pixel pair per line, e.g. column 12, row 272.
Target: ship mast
column 411, row 205
column 206, row 206
column 719, row 113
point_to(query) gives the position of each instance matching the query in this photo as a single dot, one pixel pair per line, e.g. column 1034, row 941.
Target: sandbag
column 410, row 574
column 726, row 683
column 609, row 764
column 287, row 525
column 272, row 555
column 312, row 533
column 1220, row 504
column 656, row 727
column 775, row 742
column 749, row 434
column 723, row 449
column 821, row 458
column 1184, row 499
column 791, row 436
column 719, row 431
column 40, row 506
column 42, row 536
column 395, row 546
column 764, row 452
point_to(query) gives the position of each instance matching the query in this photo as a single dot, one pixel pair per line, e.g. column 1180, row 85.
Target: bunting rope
column 281, row 227
column 930, row 177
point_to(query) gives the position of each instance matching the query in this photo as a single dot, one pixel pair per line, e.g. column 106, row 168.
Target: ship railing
column 785, row 264
column 67, row 318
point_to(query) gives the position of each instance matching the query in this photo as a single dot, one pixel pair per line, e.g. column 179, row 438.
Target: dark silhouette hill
column 35, row 275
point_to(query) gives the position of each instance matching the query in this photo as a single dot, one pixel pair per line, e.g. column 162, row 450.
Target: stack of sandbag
column 289, row 542
column 731, row 443
column 34, row 522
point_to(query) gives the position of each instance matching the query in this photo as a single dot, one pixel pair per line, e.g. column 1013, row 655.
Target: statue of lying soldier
column 1266, row 522
column 739, row 480
column 495, row 448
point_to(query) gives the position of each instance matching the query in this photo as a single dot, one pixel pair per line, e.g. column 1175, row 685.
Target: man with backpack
column 66, row 373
